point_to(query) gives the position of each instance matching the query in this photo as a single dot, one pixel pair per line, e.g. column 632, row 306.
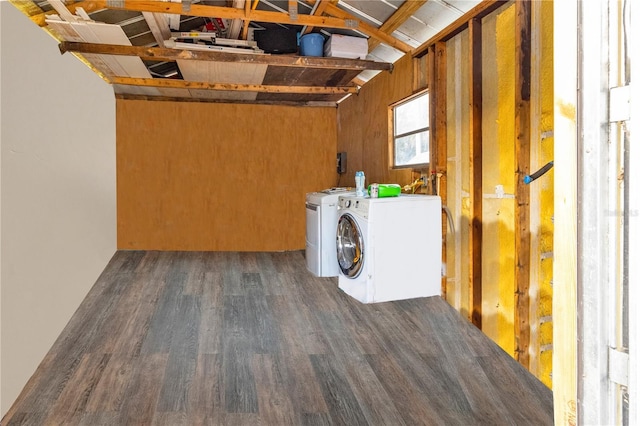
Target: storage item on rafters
column 311, row 44
column 341, row 46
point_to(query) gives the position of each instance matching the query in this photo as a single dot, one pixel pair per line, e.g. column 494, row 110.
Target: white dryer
column 322, row 220
column 390, row 248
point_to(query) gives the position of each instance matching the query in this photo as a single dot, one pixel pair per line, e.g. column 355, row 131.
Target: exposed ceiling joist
column 158, row 26
column 260, row 88
column 319, row 7
column 168, row 54
column 404, row 12
column 385, row 38
column 220, row 12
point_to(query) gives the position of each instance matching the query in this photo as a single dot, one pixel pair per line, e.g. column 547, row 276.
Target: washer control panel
column 358, row 205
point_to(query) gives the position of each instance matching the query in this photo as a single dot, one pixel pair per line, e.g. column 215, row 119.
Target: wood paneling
column 419, row 362
column 194, row 176
column 363, row 126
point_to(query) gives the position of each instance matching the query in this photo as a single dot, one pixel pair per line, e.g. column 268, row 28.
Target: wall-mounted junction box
column 341, row 162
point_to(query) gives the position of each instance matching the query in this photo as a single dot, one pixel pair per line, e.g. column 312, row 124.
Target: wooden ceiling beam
column 218, row 12
column 318, row 11
column 130, row 96
column 168, row 54
column 400, row 16
column 385, row 38
column 260, row 88
column 158, row 26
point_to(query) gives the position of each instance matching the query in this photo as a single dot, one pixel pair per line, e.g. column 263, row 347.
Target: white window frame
column 393, row 136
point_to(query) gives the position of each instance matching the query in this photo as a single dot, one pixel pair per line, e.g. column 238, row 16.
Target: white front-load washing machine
column 389, row 248
column 322, row 220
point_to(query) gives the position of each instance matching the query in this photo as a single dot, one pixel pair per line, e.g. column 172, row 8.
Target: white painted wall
column 58, row 200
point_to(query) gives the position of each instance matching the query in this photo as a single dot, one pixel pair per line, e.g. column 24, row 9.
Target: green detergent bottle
column 383, row 190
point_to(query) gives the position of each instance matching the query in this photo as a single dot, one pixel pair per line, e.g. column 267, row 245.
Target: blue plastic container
column 312, row 44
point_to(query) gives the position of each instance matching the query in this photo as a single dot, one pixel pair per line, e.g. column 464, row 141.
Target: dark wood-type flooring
column 174, row 338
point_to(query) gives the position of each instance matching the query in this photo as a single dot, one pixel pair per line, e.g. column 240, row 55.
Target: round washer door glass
column 350, row 246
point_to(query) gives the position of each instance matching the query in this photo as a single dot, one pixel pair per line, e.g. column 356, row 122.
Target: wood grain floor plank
column 143, row 390
column 181, row 364
column 291, row 341
column 224, row 338
column 480, row 392
column 240, row 394
column 342, row 403
column 158, row 337
column 274, row 403
column 78, row 389
column 206, row 394
column 371, row 395
column 240, row 390
column 109, row 392
column 275, row 283
column 303, row 386
column 316, row 419
column 412, row 405
column 265, row 332
column 515, row 389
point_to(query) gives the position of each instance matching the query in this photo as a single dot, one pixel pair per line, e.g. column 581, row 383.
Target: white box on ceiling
column 342, row 46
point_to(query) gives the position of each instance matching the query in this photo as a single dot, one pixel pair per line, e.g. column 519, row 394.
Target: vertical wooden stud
column 475, row 172
column 522, row 160
column 438, row 133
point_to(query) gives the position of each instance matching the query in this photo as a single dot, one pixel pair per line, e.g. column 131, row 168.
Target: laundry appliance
column 322, row 220
column 389, row 248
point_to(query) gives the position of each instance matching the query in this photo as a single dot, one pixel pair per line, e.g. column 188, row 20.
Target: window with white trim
column 410, row 131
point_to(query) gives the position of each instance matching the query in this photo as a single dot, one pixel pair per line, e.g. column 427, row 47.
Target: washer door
column 350, row 246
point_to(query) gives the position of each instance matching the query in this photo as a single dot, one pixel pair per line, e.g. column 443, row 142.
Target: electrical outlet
column 341, row 162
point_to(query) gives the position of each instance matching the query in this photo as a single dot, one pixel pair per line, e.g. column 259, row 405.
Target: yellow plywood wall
column 363, row 126
column 543, row 187
column 499, row 220
column 207, row 176
column 498, row 125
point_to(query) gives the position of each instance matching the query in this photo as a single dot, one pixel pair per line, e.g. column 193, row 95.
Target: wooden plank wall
column 565, row 269
column 207, row 176
column 472, row 179
column 363, row 126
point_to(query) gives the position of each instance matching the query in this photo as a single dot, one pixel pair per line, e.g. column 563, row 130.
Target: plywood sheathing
column 235, row 181
column 498, row 158
column 363, row 126
column 458, row 172
column 542, row 192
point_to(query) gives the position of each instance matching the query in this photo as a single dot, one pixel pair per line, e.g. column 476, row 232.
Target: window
column 410, row 141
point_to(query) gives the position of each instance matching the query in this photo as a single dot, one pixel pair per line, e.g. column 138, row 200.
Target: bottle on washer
column 360, row 183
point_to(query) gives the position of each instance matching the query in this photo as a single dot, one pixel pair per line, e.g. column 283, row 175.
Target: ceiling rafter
column 217, row 12
column 170, row 54
column 260, row 88
column 404, row 12
column 319, row 8
column 338, row 19
column 385, row 38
